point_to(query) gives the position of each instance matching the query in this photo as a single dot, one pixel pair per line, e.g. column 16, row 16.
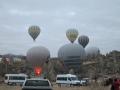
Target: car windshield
column 36, row 83
column 74, row 78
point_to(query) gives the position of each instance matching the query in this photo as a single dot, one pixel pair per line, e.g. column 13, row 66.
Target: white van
column 13, row 79
column 68, row 79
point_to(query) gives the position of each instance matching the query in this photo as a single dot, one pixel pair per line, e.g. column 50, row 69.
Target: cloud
column 98, row 19
column 72, row 13
column 24, row 13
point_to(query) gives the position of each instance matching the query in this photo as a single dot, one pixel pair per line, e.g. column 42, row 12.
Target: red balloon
column 38, row 71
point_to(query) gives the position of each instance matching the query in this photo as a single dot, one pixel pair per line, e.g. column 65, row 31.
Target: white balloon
column 37, row 56
column 72, row 54
column 92, row 51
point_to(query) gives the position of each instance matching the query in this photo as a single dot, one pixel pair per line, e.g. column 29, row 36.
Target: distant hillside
column 101, row 65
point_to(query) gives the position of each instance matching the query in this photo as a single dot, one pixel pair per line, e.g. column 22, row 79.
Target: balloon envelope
column 37, row 56
column 72, row 35
column 92, row 51
column 83, row 40
column 72, row 54
column 34, row 31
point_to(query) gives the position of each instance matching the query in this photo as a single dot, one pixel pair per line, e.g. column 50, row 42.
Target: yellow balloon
column 72, row 34
column 34, row 31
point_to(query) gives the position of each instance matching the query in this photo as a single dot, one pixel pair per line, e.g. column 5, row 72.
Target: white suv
column 37, row 84
column 67, row 79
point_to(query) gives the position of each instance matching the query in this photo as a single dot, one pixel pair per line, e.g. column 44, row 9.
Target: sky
column 98, row 19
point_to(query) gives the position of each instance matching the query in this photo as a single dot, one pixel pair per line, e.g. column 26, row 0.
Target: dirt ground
column 55, row 87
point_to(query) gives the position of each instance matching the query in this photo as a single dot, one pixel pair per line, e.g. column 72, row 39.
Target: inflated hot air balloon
column 72, row 55
column 37, row 56
column 72, row 35
column 34, row 31
column 92, row 51
column 83, row 40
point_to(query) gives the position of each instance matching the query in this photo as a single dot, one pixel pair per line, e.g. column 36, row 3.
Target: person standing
column 116, row 84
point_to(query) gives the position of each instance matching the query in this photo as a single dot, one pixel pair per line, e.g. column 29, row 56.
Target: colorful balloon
column 72, row 35
column 83, row 40
column 34, row 31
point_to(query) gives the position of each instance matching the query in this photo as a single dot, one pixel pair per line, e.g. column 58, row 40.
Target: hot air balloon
column 37, row 56
column 34, row 31
column 72, row 55
column 83, row 40
column 92, row 51
column 72, row 35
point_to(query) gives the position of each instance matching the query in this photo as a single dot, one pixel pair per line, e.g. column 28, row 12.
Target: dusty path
column 5, row 87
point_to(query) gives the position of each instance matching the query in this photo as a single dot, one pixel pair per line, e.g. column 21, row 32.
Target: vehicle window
column 21, row 78
column 36, row 83
column 62, row 78
column 16, row 78
column 6, row 77
column 74, row 78
column 69, row 79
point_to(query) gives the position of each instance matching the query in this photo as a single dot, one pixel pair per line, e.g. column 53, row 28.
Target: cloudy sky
column 98, row 19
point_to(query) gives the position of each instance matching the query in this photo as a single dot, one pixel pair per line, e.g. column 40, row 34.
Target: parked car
column 37, row 84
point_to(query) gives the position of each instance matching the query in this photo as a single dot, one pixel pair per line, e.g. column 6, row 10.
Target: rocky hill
column 101, row 65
